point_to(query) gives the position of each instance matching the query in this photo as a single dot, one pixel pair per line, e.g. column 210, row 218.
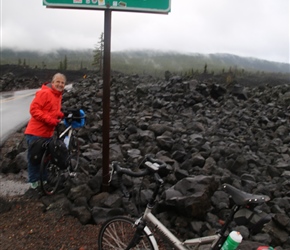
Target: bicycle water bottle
column 232, row 241
column 66, row 141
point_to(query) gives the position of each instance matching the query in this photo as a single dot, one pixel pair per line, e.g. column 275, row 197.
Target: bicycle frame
column 68, row 130
column 148, row 216
column 215, row 241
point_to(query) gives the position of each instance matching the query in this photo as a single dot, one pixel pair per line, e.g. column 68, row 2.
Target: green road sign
column 154, row 6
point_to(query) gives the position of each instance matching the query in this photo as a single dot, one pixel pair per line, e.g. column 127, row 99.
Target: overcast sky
column 249, row 28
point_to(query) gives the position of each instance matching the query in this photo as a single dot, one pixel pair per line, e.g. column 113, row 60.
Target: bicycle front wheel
column 117, row 232
column 74, row 153
column 50, row 174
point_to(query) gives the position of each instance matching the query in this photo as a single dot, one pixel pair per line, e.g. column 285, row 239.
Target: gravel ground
column 25, row 225
column 13, row 185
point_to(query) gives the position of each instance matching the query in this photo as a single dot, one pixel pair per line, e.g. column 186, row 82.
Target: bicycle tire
column 117, row 232
column 50, row 174
column 74, row 153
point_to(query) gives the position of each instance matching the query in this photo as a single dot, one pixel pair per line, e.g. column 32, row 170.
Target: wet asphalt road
column 14, row 111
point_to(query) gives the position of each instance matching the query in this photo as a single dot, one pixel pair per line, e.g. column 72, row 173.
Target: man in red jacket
column 45, row 110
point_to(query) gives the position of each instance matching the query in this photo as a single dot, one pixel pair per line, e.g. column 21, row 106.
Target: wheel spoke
column 49, row 175
column 117, row 233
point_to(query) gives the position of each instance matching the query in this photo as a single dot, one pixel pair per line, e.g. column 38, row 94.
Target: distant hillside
column 152, row 62
column 76, row 59
column 161, row 61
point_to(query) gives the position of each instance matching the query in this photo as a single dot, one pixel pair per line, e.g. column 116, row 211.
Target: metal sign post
column 106, row 100
column 147, row 6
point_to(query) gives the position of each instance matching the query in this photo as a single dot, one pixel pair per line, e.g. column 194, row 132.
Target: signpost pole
column 106, row 100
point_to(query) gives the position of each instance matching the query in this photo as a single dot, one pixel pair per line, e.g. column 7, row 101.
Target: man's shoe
column 34, row 185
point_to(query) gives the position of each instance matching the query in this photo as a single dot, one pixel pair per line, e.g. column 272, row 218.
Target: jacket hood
column 48, row 85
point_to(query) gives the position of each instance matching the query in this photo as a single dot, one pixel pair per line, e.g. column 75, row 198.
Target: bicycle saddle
column 243, row 198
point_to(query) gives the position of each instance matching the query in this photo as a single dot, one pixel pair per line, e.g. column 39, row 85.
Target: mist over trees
column 141, row 62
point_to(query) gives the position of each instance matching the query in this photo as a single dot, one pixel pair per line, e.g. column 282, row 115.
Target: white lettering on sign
column 78, row 1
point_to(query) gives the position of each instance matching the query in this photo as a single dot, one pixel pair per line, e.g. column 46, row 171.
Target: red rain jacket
column 44, row 110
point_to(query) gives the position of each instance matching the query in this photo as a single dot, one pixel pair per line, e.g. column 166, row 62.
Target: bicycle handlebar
column 153, row 166
column 71, row 116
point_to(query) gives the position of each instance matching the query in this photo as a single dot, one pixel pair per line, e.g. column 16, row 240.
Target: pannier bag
column 37, row 148
column 59, row 153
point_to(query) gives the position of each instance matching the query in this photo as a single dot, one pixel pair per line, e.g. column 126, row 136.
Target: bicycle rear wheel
column 50, row 174
column 117, row 232
column 74, row 153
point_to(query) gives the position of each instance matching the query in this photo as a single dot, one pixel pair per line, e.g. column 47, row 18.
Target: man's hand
column 53, row 122
column 60, row 115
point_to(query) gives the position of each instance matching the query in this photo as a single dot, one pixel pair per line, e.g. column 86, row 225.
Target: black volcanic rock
column 206, row 132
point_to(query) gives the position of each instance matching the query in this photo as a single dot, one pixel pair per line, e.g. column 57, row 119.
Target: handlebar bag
column 77, row 122
column 36, row 149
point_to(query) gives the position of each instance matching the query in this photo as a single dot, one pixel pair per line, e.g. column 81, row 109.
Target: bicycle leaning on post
column 61, row 157
column 122, row 232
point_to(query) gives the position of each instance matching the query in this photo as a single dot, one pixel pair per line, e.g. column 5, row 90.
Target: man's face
column 59, row 83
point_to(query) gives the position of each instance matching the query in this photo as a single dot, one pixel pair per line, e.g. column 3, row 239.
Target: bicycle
column 122, row 232
column 64, row 146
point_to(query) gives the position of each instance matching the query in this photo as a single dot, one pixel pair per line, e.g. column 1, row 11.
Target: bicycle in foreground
column 123, row 232
column 61, row 156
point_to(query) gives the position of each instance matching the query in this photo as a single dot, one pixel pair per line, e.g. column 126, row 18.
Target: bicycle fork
column 141, row 224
